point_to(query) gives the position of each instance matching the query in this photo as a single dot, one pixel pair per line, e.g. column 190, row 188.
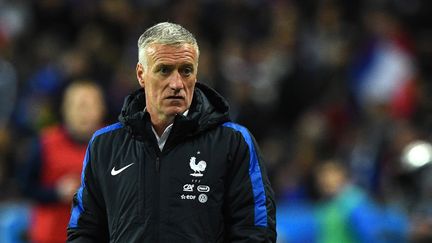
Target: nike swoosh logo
column 115, row 172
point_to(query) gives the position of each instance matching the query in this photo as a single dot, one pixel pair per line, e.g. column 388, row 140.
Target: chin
column 181, row 111
column 176, row 110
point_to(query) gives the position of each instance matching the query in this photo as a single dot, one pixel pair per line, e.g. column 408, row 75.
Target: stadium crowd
column 334, row 91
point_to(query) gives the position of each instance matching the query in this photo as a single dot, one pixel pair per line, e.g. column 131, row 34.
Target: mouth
column 175, row 97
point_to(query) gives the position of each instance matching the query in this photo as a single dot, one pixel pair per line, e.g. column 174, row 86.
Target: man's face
column 169, row 79
column 83, row 110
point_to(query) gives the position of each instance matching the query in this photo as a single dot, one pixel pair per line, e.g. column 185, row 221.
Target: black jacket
column 207, row 185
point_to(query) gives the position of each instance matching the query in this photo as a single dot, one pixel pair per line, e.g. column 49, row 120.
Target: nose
column 175, row 81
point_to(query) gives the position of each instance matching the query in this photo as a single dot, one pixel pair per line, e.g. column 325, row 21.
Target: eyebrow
column 187, row 64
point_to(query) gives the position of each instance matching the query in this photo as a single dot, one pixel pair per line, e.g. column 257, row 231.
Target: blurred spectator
column 324, row 45
column 8, row 91
column 53, row 173
column 14, row 18
column 421, row 228
column 346, row 213
column 38, row 95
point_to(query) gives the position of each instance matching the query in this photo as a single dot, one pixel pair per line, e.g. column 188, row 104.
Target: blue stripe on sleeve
column 79, row 208
column 255, row 175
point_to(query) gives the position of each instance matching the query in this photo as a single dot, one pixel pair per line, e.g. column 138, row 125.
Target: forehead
column 172, row 54
column 77, row 93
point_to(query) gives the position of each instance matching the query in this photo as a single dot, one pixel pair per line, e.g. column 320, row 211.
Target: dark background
column 312, row 80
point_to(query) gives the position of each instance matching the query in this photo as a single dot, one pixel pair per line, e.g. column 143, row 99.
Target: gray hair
column 167, row 34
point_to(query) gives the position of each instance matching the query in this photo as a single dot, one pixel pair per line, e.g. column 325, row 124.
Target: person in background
column 175, row 168
column 346, row 213
column 53, row 173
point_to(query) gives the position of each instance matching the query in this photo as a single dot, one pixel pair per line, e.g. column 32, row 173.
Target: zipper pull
column 157, row 164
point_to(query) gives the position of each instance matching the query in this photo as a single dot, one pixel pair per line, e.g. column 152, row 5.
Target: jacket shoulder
column 107, row 129
column 237, row 128
column 242, row 132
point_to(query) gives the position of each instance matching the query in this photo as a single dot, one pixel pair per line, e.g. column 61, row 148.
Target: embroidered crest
column 198, row 168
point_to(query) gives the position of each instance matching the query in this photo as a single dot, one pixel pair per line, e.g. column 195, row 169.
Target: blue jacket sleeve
column 249, row 204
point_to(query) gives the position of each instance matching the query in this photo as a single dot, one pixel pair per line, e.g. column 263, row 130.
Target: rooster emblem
column 197, row 168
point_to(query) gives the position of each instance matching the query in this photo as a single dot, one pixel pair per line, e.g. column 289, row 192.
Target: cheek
column 96, row 115
column 156, row 95
column 190, row 88
column 190, row 84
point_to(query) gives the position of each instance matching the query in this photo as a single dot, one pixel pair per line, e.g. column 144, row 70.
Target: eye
column 164, row 70
column 187, row 71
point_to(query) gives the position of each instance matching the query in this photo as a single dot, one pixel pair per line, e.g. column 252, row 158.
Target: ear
column 140, row 74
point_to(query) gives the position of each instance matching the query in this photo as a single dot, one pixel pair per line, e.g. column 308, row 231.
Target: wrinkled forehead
column 157, row 53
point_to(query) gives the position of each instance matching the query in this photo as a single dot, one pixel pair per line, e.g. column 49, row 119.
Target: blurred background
column 337, row 93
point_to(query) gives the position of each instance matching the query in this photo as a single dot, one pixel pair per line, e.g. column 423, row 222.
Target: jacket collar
column 208, row 110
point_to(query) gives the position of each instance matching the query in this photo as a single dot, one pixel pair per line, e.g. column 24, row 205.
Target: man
column 53, row 173
column 174, row 169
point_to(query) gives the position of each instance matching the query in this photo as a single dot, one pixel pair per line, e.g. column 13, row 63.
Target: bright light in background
column 416, row 155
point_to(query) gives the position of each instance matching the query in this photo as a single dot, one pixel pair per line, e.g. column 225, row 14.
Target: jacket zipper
column 157, row 164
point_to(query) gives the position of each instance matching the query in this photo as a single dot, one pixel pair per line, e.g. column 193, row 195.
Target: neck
column 160, row 125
